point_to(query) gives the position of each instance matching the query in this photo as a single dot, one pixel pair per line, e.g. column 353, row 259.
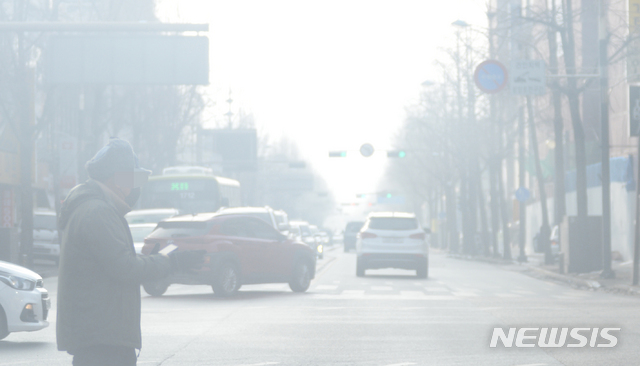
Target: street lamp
column 460, row 23
column 427, row 83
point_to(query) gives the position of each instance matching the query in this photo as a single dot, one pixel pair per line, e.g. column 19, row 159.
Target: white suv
column 392, row 240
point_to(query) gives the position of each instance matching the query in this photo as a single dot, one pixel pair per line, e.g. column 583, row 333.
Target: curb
column 498, row 261
column 579, row 282
column 538, row 272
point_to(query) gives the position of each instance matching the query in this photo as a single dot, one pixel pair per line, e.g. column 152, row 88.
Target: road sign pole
column 521, row 175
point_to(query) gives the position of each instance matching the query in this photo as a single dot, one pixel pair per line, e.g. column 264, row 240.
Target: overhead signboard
column 528, row 77
column 127, row 59
column 491, row 76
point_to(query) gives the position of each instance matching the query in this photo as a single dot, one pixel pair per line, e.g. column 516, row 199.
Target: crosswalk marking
column 353, row 292
column 465, row 294
column 436, row 289
column 503, row 295
column 326, row 287
column 381, row 288
column 399, row 297
column 412, row 294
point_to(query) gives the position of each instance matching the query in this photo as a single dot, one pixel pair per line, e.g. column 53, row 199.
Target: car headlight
column 17, row 282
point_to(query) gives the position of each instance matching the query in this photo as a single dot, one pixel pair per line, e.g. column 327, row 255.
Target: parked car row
column 309, row 234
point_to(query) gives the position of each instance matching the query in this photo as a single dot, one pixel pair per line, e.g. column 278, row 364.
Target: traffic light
column 337, row 154
column 396, row 154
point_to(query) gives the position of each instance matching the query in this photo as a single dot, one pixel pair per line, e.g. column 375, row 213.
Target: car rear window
column 181, row 229
column 393, row 223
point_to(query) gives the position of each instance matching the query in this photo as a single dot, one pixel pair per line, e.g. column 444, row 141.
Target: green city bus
column 190, row 190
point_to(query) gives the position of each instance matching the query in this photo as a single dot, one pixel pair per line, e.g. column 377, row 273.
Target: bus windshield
column 189, row 195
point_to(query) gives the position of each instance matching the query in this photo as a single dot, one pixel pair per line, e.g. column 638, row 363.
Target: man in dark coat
column 98, row 318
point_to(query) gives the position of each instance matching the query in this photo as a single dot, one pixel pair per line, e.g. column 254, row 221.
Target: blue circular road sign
column 523, row 194
column 491, row 76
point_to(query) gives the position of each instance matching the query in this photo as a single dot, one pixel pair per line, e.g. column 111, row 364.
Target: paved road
column 386, row 318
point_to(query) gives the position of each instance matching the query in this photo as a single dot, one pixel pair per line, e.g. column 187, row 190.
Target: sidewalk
column 535, row 267
column 620, row 284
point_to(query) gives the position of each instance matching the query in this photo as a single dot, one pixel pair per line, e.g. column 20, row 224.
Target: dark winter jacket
column 100, row 273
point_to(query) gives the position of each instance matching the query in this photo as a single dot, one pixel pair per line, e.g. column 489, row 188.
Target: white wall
column 622, row 216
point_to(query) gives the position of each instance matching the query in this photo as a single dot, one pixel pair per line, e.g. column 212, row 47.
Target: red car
column 241, row 250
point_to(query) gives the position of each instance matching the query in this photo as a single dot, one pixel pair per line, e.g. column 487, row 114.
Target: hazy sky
column 330, row 75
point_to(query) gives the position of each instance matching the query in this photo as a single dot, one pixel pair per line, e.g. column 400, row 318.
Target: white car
column 46, row 243
column 24, row 303
column 392, row 240
column 266, row 214
column 139, row 232
column 150, row 216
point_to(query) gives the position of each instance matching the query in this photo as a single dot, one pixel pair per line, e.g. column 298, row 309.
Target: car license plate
column 392, row 240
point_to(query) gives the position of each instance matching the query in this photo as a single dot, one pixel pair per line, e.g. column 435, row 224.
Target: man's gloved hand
column 186, row 260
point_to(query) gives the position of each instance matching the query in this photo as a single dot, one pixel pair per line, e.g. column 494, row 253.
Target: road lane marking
column 412, row 294
column 326, row 287
column 465, row 294
column 260, row 364
column 508, row 295
column 436, row 289
column 320, row 271
column 381, row 288
column 380, row 297
column 402, row 364
column 353, row 292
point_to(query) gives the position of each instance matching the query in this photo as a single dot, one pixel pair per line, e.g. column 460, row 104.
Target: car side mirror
column 427, row 230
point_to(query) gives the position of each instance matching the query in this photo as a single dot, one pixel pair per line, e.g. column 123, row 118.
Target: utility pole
column 607, row 272
column 522, row 235
column 545, row 230
column 229, row 114
column 636, row 242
